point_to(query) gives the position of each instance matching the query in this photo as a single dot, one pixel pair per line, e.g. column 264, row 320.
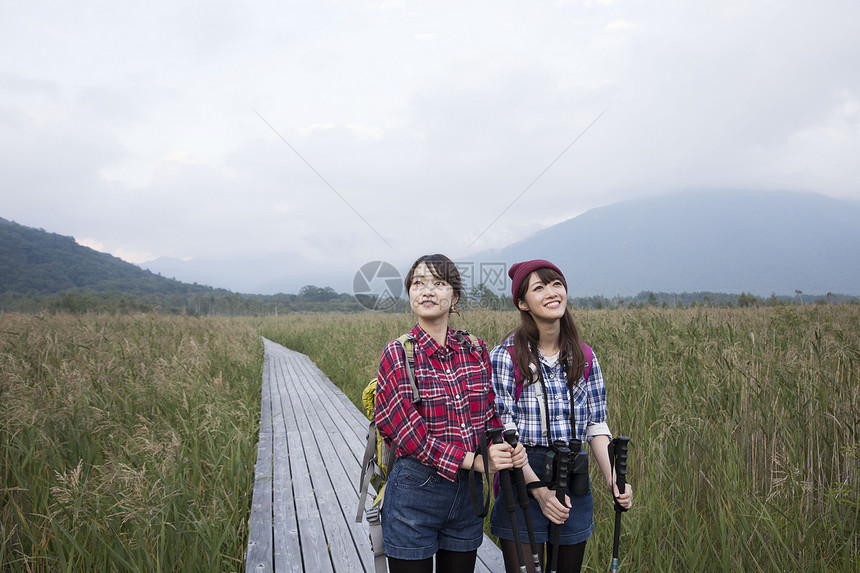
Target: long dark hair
column 527, row 335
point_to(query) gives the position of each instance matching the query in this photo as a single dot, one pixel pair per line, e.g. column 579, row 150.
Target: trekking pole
column 495, row 435
column 512, row 437
column 563, row 456
column 618, row 453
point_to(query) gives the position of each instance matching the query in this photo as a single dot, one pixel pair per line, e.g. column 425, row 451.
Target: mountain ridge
column 755, row 242
column 38, row 262
column 760, row 243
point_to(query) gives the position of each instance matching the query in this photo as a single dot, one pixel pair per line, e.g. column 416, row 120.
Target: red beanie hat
column 520, row 271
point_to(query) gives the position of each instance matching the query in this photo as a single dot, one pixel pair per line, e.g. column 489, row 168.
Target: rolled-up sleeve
column 596, row 394
column 504, row 384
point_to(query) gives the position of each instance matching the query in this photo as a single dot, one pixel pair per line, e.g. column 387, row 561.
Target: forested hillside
column 46, row 271
column 37, row 262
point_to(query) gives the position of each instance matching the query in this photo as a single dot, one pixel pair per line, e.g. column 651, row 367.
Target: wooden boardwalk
column 308, row 465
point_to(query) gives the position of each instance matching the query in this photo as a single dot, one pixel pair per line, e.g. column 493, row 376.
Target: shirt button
column 457, row 396
column 462, row 425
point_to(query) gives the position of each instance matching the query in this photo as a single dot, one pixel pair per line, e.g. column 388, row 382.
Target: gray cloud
column 134, row 126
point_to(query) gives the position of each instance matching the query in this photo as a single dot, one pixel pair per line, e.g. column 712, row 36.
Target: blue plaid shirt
column 589, row 399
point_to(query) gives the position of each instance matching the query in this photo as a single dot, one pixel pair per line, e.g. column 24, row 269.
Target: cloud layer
column 207, row 129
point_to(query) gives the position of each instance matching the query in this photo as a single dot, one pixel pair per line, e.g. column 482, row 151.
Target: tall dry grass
column 744, row 426
column 127, row 443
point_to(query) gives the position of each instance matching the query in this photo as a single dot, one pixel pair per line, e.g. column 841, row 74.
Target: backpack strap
column 589, row 358
column 374, row 523
column 369, row 469
column 483, row 452
column 467, row 339
column 407, row 341
column 520, row 382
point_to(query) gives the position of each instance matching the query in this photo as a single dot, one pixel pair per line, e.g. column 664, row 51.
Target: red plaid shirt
column 457, row 400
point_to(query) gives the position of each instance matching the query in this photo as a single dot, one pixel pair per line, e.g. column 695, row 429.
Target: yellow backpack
column 379, row 458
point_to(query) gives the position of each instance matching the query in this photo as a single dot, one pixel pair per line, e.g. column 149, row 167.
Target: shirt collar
column 428, row 344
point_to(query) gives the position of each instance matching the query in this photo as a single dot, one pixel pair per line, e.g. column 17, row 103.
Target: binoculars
column 574, row 457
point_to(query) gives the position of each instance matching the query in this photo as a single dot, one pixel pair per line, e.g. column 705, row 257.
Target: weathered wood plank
column 342, row 550
column 490, row 557
column 260, row 533
column 287, row 550
column 349, row 421
column 314, row 551
column 349, row 409
column 312, row 449
column 342, row 472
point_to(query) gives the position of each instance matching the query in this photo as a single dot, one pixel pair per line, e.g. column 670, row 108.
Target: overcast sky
column 344, row 132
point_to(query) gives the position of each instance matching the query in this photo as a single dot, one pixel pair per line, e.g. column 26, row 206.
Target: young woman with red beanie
column 546, row 358
column 428, row 509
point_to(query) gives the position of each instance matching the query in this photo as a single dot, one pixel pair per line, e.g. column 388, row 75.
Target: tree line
column 311, row 298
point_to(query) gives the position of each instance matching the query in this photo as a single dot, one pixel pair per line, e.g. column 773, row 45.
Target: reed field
column 743, row 423
column 127, row 443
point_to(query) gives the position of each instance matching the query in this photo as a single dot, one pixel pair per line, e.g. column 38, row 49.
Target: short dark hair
column 442, row 268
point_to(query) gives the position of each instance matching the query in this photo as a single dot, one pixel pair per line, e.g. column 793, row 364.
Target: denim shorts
column 424, row 512
column 577, row 528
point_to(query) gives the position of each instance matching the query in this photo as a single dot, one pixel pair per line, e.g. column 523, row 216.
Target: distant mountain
column 44, row 271
column 732, row 242
column 723, row 242
column 34, row 262
column 267, row 275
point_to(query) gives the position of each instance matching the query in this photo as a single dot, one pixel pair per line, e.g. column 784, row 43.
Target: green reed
column 743, row 423
column 127, row 443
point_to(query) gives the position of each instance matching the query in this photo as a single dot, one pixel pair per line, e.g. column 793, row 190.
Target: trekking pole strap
column 473, row 491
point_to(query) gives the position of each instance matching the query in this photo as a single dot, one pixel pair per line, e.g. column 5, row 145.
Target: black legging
column 569, row 556
column 446, row 562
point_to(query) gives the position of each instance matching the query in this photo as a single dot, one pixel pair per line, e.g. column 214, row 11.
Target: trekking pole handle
column 495, row 435
column 618, row 458
column 563, row 453
column 512, row 437
column 621, row 444
column 561, row 480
